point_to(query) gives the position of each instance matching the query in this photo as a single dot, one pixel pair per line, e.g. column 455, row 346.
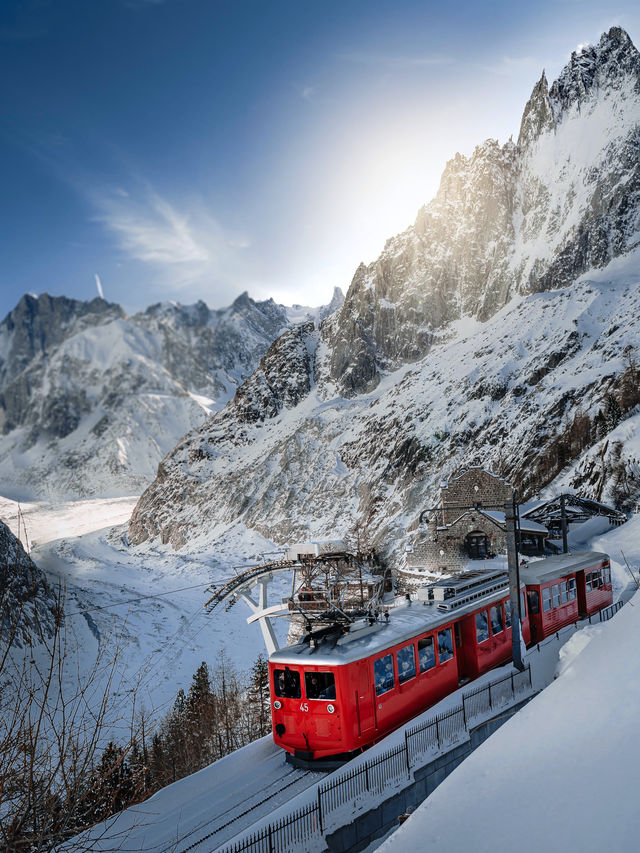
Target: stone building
column 468, row 524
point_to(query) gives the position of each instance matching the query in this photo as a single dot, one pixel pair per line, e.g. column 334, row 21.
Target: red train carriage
column 565, row 588
column 340, row 691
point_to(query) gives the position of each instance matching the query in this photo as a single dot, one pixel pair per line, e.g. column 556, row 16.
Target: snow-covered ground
column 561, row 775
column 147, row 605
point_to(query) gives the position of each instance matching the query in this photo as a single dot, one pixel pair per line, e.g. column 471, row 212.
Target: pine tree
column 614, row 415
column 600, row 424
column 259, row 699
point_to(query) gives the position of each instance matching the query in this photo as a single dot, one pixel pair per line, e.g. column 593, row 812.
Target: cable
column 140, row 598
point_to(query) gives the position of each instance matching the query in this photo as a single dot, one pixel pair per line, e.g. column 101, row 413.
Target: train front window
column 496, row 620
column 406, row 663
column 383, row 674
column 482, row 626
column 445, row 645
column 286, row 683
column 320, row 685
column 426, row 654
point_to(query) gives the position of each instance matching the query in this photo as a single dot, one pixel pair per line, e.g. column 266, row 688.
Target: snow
column 561, row 775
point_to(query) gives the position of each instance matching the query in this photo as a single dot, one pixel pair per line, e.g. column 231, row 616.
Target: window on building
column 286, row 683
column 497, row 624
column 426, row 654
column 445, row 645
column 406, row 663
column 320, row 685
column 482, row 626
column 507, row 614
column 383, row 674
column 555, row 590
column 546, row 599
column 571, row 585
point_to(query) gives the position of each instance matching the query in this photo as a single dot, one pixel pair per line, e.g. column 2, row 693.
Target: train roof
column 470, row 592
column 560, row 564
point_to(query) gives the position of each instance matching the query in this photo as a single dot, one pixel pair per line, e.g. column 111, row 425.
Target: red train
column 341, row 689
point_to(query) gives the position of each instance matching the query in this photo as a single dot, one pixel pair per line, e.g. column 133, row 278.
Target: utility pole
column 563, row 521
column 514, row 582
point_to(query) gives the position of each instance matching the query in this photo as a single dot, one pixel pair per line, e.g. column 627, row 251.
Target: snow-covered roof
column 499, row 518
column 550, row 568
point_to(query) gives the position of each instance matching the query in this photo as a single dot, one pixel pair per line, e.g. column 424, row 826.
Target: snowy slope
column 491, row 395
column 562, row 773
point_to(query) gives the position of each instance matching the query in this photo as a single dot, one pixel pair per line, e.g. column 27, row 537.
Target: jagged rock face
column 363, row 443
column 510, row 219
column 27, row 602
column 90, row 400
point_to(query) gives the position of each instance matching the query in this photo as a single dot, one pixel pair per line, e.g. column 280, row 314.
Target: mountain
column 91, row 400
column 492, row 331
column 27, row 602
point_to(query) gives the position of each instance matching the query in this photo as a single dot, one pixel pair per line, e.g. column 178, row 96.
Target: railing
column 390, row 769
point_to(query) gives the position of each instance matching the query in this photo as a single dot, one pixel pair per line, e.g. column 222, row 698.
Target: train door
column 364, row 696
column 463, row 675
column 582, row 594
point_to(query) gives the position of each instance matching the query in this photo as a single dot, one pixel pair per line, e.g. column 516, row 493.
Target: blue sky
column 193, row 149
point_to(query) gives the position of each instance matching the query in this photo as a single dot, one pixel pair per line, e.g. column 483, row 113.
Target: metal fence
column 386, row 771
column 391, row 768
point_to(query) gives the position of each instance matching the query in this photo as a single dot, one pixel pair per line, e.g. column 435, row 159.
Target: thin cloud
column 182, row 245
column 507, row 65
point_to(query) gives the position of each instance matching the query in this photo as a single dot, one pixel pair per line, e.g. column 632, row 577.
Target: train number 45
column 304, row 706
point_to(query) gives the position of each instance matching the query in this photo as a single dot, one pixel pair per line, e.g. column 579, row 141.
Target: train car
column 341, row 689
column 565, row 588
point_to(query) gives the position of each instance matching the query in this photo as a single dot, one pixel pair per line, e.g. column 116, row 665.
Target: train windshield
column 320, row 685
column 286, row 683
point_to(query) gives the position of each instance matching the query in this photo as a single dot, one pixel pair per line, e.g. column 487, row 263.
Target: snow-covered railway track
column 252, row 810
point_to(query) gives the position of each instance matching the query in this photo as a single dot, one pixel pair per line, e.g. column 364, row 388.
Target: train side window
column 497, row 626
column 607, row 575
column 588, row 581
column 482, row 626
column 426, row 654
column 383, row 674
column 507, row 614
column 546, row 599
column 556, row 594
column 564, row 591
column 286, row 683
column 571, row 588
column 406, row 663
column 445, row 645
column 320, row 685
column 597, row 579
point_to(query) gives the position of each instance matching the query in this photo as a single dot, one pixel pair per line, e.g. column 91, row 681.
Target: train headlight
column 277, row 705
column 330, row 709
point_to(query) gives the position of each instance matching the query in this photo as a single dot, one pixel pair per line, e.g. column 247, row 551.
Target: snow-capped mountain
column 481, row 335
column 91, row 400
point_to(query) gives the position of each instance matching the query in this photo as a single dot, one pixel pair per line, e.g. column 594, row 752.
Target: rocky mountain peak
column 603, row 66
column 538, row 114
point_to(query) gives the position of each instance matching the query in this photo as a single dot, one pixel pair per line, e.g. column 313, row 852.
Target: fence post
column 490, row 700
column 320, row 811
column 438, row 733
column 406, row 752
column 530, row 679
column 513, row 690
column 270, row 841
column 366, row 774
column 464, row 712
